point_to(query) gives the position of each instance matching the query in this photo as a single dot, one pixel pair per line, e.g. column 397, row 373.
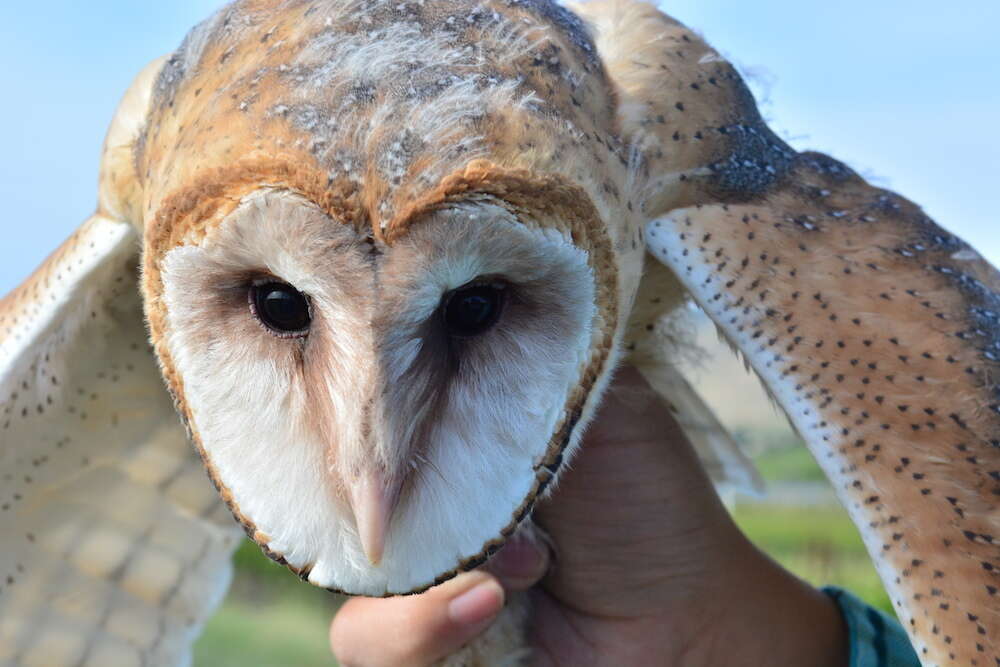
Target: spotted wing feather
column 115, row 546
column 876, row 331
column 879, row 334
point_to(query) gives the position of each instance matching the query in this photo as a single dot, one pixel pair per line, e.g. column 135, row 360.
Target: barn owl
column 384, row 258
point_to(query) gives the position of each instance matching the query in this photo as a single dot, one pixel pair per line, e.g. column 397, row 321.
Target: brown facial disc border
column 187, row 216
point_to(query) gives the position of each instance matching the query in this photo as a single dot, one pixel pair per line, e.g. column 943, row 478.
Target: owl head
column 377, row 274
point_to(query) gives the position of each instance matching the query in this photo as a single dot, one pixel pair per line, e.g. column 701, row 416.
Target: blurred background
column 906, row 92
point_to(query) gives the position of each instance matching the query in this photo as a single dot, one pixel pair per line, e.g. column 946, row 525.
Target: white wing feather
column 658, row 340
column 723, row 460
column 115, row 547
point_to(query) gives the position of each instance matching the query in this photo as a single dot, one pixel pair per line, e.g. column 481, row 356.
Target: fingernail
column 478, row 604
column 521, row 558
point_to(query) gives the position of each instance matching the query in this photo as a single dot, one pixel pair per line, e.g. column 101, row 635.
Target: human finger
column 521, row 563
column 415, row 630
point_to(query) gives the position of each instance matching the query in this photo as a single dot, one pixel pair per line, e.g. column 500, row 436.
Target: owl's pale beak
column 373, row 499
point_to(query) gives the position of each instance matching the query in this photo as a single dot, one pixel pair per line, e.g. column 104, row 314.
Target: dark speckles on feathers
column 398, row 154
column 757, row 157
column 567, row 22
column 915, row 362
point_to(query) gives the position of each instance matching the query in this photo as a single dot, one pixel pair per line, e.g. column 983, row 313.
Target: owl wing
column 659, row 336
column 719, row 453
column 876, row 331
column 115, row 545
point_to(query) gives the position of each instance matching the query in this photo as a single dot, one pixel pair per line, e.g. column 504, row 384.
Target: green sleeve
column 876, row 639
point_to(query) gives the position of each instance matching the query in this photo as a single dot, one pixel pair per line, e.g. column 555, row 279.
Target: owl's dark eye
column 473, row 309
column 281, row 308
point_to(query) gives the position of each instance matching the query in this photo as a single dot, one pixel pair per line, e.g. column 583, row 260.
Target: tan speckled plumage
column 872, row 326
column 115, row 548
column 877, row 332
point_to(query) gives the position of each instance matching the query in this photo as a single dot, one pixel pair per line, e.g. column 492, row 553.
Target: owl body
column 391, row 254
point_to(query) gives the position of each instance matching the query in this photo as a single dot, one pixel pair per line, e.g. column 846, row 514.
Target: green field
column 271, row 618
column 820, row 545
column 791, row 462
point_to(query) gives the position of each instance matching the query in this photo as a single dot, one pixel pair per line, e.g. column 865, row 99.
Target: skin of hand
column 646, row 568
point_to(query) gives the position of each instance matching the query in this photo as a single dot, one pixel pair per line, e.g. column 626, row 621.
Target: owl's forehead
column 282, row 234
column 375, row 104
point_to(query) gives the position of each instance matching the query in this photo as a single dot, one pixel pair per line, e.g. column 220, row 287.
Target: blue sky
column 908, row 93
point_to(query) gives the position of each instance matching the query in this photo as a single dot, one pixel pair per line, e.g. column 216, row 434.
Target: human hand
column 649, row 569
